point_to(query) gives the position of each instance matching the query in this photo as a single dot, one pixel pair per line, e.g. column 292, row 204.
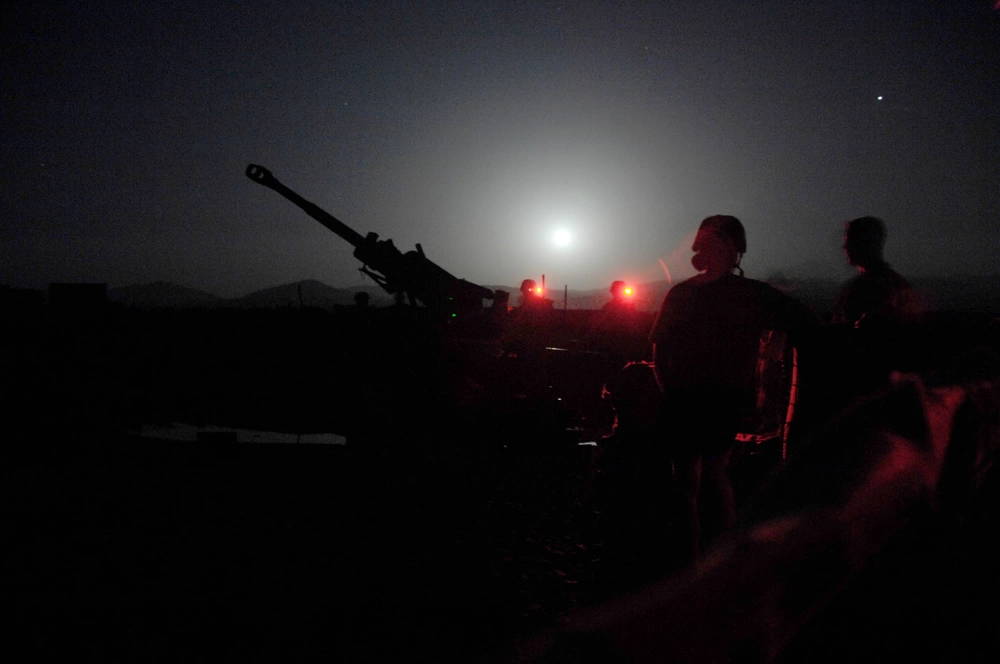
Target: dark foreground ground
column 171, row 552
column 464, row 540
column 168, row 552
column 181, row 552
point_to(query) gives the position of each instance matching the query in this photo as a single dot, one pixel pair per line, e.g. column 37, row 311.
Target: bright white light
column 562, row 238
column 879, row 98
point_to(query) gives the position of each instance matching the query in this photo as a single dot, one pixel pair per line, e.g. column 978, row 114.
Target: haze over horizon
column 583, row 141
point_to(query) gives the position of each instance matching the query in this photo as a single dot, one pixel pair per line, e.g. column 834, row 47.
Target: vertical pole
column 565, row 297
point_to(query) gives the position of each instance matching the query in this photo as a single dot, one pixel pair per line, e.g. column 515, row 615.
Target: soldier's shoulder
column 680, row 290
column 757, row 287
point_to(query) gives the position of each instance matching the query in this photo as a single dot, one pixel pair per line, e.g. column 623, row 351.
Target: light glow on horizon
column 562, row 237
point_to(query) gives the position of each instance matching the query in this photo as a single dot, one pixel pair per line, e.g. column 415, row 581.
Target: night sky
column 480, row 129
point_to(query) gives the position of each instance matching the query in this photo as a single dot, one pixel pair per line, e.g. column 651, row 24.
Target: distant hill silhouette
column 308, row 293
column 162, row 294
column 166, row 295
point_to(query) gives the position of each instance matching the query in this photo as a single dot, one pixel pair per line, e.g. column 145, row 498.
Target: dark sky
column 478, row 129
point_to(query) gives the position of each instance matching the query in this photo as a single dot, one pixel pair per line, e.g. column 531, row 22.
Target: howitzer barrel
column 411, row 273
column 261, row 175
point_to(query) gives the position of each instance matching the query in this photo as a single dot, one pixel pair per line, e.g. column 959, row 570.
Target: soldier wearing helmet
column 619, row 329
column 529, row 325
column 705, row 345
column 621, row 300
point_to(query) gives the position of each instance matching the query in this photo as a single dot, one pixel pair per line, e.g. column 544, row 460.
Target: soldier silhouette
column 528, row 326
column 878, row 294
column 705, row 345
column 620, row 301
column 619, row 329
column 872, row 331
column 532, row 297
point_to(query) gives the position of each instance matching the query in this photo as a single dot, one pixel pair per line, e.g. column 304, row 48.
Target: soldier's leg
column 718, row 503
column 688, row 471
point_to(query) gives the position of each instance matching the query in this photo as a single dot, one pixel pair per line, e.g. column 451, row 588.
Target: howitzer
column 411, row 273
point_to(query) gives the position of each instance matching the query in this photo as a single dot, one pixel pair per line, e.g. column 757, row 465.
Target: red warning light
column 538, row 290
column 628, row 291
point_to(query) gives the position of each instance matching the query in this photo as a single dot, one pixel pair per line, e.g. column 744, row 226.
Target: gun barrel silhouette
column 411, row 273
column 261, row 175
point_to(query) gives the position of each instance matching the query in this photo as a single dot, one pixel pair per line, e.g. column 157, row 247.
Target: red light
column 538, row 291
column 628, row 291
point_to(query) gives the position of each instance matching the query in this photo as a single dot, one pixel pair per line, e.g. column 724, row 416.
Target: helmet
column 866, row 230
column 722, row 223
